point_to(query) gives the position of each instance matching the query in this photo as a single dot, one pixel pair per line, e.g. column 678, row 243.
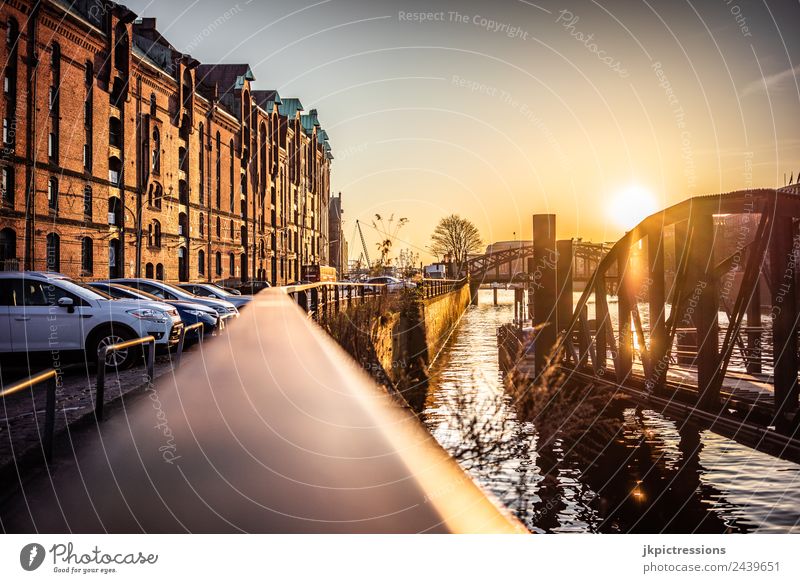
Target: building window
column 52, row 194
column 89, row 74
column 232, row 264
column 219, row 263
column 202, row 224
column 55, row 56
column 53, row 259
column 156, row 152
column 201, row 262
column 154, row 234
column 114, row 171
column 52, row 147
column 7, row 185
column 219, row 228
column 160, row 272
column 231, row 232
column 219, row 172
column 12, row 33
column 115, row 132
column 201, row 165
column 8, row 250
column 87, row 202
column 87, row 256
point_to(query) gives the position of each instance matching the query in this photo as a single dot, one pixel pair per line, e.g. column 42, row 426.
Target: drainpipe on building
column 30, row 147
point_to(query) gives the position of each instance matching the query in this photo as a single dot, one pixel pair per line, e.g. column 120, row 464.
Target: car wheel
column 119, row 359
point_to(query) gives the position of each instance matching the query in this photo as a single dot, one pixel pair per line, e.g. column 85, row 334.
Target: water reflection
column 657, row 475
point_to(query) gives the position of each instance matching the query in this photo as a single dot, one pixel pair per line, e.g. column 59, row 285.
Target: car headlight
column 150, row 315
column 196, row 313
column 220, row 310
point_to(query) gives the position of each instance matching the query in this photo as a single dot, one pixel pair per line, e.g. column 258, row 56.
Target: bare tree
column 456, row 236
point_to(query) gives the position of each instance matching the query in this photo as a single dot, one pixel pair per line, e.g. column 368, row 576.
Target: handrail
column 101, row 367
column 48, row 376
column 186, row 329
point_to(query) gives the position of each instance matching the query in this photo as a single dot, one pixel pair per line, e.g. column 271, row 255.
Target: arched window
column 202, row 224
column 121, row 49
column 52, row 194
column 201, row 262
column 148, row 271
column 232, row 264
column 87, row 202
column 8, row 250
column 160, row 272
column 154, row 234
column 115, row 132
column 87, row 256
column 7, row 185
column 12, row 34
column 218, row 258
column 156, row 156
column 183, row 224
column 114, row 171
column 53, row 259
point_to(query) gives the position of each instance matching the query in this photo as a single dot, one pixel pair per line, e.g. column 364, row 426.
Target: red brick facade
column 123, row 156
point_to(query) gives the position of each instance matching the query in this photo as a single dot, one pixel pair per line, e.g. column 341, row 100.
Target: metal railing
column 432, row 288
column 103, row 352
column 49, row 377
column 182, row 341
column 324, row 299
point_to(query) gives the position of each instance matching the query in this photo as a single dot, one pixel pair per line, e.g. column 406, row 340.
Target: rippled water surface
column 657, row 477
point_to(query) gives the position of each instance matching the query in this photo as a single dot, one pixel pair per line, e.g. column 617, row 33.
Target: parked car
column 209, row 290
column 46, row 312
column 165, row 291
column 190, row 312
column 253, row 287
column 391, row 283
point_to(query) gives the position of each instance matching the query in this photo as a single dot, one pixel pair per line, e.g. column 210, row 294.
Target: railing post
column 336, row 298
column 182, row 342
column 100, row 388
column 50, row 417
column 315, row 303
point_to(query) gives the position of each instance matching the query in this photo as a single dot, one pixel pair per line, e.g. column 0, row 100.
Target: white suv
column 47, row 312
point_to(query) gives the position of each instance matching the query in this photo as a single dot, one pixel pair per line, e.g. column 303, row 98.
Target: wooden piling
column 544, row 287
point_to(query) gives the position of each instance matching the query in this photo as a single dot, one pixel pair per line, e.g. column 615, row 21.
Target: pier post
column 782, row 256
column 754, row 330
column 601, row 323
column 656, row 300
column 624, row 362
column 703, row 305
column 564, row 284
column 494, row 295
column 543, row 279
column 474, row 285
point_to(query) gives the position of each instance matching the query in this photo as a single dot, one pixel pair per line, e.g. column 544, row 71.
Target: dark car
column 253, row 287
column 210, row 290
column 190, row 312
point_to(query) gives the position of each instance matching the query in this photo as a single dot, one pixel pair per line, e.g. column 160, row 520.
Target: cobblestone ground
column 22, row 414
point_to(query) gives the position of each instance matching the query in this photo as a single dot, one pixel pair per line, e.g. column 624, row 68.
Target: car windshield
column 141, row 294
column 216, row 289
column 83, row 290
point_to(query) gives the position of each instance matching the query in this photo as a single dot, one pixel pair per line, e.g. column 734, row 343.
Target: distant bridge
column 511, row 264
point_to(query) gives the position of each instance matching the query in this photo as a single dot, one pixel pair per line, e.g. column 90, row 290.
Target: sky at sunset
column 599, row 112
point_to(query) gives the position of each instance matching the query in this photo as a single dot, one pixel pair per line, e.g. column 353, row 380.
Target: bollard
column 181, row 342
column 50, row 377
column 100, row 388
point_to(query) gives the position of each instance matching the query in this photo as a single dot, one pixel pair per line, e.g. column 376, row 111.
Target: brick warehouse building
column 123, row 156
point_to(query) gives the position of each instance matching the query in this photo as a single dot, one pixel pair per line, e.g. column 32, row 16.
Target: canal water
column 657, row 476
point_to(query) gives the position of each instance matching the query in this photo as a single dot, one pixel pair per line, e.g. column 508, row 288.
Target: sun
column 631, row 205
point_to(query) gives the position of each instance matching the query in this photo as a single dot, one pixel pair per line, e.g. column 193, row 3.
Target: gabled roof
column 290, row 106
column 266, row 98
column 227, row 77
